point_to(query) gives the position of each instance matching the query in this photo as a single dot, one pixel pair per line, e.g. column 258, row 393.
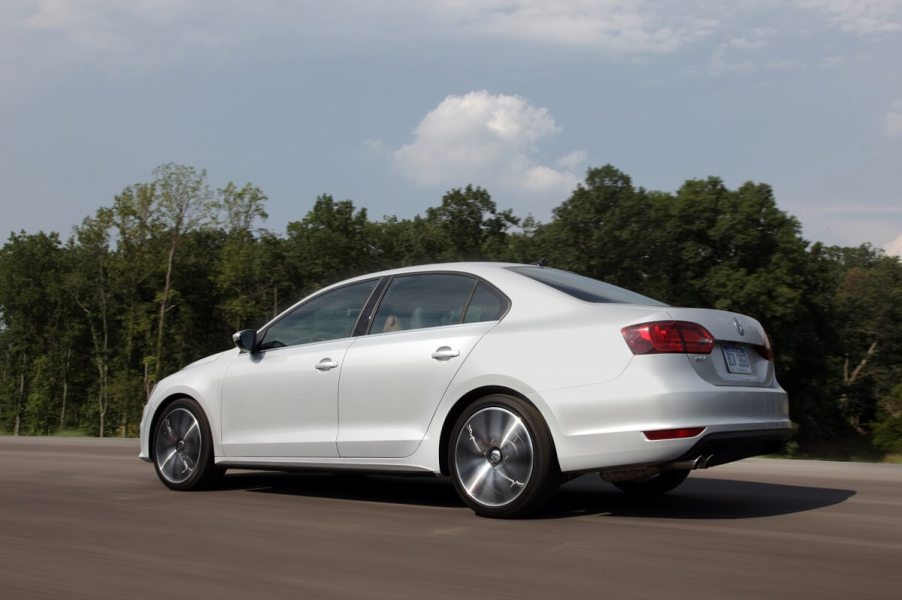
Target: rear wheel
column 501, row 457
column 183, row 447
column 659, row 483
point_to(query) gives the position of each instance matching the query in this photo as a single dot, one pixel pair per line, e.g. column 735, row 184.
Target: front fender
column 201, row 381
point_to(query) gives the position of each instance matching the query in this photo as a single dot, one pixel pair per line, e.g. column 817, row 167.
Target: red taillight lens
column 764, row 352
column 673, row 434
column 767, row 350
column 668, row 337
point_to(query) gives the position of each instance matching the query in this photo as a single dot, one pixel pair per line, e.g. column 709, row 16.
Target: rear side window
column 485, row 305
column 584, row 288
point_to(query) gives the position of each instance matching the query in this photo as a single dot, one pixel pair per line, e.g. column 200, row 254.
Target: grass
column 64, row 433
column 71, row 433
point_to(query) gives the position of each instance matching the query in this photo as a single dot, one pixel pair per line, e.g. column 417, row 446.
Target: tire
column 183, row 448
column 660, row 483
column 501, row 458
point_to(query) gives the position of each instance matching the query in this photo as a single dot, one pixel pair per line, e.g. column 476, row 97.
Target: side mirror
column 246, row 339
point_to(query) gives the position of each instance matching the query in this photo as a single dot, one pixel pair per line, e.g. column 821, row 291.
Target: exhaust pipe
column 699, row 462
column 684, row 465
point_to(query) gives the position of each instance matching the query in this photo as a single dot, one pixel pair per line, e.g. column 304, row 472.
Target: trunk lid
column 739, row 351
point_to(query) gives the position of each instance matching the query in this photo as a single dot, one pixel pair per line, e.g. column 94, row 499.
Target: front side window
column 329, row 316
column 419, row 301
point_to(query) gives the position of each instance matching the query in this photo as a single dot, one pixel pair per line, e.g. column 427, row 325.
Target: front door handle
column 326, row 364
column 445, row 353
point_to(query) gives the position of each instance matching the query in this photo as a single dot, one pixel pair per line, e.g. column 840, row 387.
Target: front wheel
column 183, row 447
column 659, row 483
column 501, row 457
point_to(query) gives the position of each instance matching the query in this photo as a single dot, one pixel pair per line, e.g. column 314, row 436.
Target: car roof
column 474, row 267
column 497, row 273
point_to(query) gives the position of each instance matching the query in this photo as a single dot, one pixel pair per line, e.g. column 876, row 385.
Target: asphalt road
column 84, row 518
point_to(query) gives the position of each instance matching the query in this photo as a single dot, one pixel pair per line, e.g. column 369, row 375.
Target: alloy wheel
column 494, row 456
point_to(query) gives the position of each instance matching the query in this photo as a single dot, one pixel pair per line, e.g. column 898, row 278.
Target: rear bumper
column 717, row 445
column 599, row 427
column 729, row 446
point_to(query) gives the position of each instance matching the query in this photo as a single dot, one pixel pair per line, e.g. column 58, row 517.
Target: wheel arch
column 469, row 398
column 151, row 438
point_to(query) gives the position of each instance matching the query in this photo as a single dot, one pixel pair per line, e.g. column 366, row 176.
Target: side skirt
column 378, row 469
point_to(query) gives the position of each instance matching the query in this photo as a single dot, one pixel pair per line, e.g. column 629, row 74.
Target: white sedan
column 508, row 378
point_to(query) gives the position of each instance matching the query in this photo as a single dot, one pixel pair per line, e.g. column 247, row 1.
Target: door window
column 329, row 316
column 419, row 301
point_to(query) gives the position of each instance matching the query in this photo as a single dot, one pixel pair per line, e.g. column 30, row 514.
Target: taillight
column 664, row 337
column 767, row 350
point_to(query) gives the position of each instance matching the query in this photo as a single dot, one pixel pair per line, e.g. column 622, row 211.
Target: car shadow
column 697, row 498
column 426, row 491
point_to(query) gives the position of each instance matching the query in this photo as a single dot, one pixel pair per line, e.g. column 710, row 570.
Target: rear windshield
column 584, row 288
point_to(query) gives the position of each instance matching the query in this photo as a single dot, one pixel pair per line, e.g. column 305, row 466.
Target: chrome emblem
column 738, row 325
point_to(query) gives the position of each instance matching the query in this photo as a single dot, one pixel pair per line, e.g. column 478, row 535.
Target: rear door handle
column 445, row 353
column 326, row 364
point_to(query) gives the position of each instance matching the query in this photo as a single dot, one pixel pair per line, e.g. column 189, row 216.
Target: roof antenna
column 542, row 261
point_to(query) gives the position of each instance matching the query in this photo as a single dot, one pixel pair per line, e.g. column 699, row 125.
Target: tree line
column 164, row 275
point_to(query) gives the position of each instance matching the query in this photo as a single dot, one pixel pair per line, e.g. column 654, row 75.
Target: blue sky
column 392, row 103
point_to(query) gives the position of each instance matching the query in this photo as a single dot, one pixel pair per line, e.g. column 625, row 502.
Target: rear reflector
column 662, row 337
column 673, row 434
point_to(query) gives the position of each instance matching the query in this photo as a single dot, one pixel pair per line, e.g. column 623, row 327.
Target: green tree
column 243, row 207
column 242, row 276
column 41, row 406
column 135, row 269
column 608, row 229
column 184, row 203
column 466, row 226
column 91, row 289
column 888, row 428
column 35, row 314
column 869, row 304
column 334, row 240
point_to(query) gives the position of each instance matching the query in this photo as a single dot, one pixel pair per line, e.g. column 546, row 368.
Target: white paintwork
column 391, row 386
column 565, row 356
column 277, row 403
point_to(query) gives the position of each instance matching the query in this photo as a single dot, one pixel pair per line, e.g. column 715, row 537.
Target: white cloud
column 862, row 211
column 893, row 120
column 574, row 160
column 375, row 146
column 161, row 32
column 720, row 63
column 488, row 140
column 830, row 63
column 894, row 247
column 148, row 30
column 753, row 40
column 783, row 65
column 859, row 16
column 619, row 26
column 145, row 32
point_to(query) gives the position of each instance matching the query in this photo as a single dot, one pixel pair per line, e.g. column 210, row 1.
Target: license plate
column 737, row 360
